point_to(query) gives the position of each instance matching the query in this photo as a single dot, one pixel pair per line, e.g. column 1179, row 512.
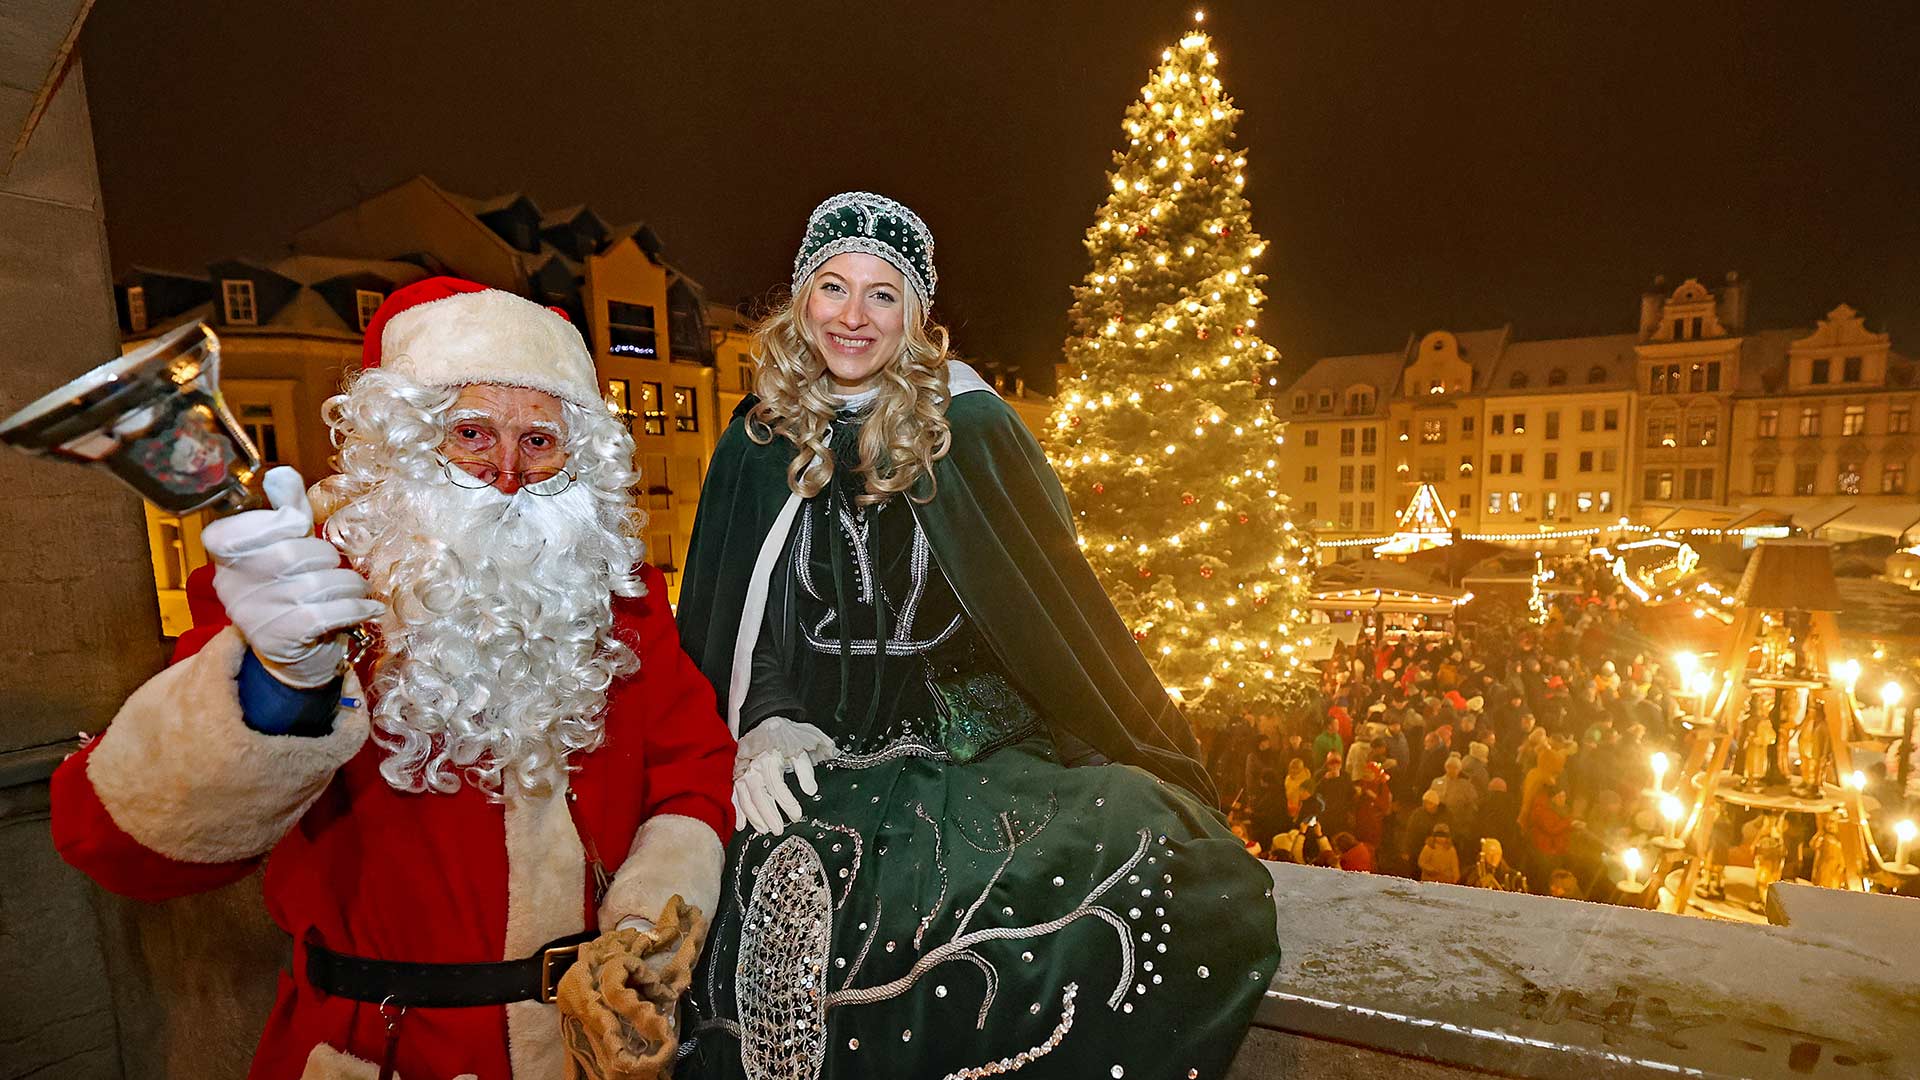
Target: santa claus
column 532, row 761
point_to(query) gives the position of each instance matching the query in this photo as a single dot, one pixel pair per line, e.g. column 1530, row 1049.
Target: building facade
column 292, row 328
column 1692, row 408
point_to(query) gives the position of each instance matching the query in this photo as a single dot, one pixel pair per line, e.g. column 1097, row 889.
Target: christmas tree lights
column 1168, row 456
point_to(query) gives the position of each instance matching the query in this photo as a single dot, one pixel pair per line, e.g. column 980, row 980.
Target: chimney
column 1651, row 302
column 1732, row 306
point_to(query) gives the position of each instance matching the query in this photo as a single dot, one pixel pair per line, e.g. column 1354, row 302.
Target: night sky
column 1411, row 165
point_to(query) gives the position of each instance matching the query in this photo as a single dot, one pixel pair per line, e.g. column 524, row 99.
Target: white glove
column 284, row 587
column 760, row 793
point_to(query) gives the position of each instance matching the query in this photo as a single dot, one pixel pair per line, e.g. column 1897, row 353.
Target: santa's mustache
column 497, row 641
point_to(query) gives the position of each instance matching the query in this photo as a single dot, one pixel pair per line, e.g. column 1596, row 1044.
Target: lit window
column 1519, row 423
column 1583, row 502
column 1769, row 425
column 1606, row 502
column 1550, row 505
column 1433, row 431
column 1893, row 478
column 1899, row 420
column 630, row 330
column 366, row 303
column 653, row 417
column 1516, row 502
column 236, row 296
column 1493, row 502
column 620, row 401
column 1763, row 479
column 1810, row 421
column 686, row 409
column 1854, row 420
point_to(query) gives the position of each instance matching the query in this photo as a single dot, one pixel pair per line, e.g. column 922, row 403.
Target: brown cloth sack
column 619, row 1001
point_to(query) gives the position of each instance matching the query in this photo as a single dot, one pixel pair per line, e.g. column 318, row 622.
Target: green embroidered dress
column 957, row 902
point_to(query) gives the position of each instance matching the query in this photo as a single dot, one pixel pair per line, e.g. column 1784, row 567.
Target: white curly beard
column 496, row 645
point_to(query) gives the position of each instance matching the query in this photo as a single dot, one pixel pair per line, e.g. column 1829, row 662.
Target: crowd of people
column 1500, row 758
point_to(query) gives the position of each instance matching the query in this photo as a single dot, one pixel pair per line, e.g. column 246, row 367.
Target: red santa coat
column 179, row 796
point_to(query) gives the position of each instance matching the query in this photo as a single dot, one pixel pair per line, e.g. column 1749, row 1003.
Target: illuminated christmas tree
column 1167, row 455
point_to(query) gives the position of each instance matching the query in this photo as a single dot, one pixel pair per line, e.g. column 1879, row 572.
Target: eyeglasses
column 473, row 475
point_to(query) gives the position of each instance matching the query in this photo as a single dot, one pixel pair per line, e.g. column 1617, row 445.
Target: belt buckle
column 551, row 974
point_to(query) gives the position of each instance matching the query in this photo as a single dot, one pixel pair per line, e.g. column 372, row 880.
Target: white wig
column 497, row 643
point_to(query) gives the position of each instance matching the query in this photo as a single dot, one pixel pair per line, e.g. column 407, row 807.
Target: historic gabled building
column 1692, row 408
column 292, row 327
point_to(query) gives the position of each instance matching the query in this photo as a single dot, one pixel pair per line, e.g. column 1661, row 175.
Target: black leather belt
column 444, row 986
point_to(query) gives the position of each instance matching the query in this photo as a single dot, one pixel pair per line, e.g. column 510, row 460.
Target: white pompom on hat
column 444, row 331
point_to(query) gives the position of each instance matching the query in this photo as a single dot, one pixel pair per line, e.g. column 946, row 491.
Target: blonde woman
column 885, row 588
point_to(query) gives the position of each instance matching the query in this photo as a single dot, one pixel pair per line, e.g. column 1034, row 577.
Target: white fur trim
column 962, row 379
column 491, row 337
column 672, row 853
column 181, row 772
column 754, row 611
column 326, row 1063
column 546, row 899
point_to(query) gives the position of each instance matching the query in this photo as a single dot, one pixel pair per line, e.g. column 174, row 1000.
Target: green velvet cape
column 1002, row 532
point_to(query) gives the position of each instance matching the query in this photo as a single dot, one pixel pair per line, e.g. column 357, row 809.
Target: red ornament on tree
column 1139, row 230
column 1239, row 330
column 1206, row 571
column 1145, row 573
column 1203, row 333
column 1186, row 498
column 1073, row 421
column 1243, row 519
column 1139, row 635
column 1099, row 489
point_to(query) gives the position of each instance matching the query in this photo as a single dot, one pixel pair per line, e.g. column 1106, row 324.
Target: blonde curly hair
column 906, row 429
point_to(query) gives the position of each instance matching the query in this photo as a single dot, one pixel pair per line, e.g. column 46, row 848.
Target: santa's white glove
column 761, row 797
column 284, row 587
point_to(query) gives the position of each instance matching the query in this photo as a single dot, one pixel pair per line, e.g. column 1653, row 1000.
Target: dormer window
column 1557, row 377
column 1325, row 401
column 136, row 308
column 1517, row 381
column 1299, row 403
column 367, row 303
column 1596, row 374
column 236, row 298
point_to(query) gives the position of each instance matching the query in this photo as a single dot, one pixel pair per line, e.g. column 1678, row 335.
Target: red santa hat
column 444, row 331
